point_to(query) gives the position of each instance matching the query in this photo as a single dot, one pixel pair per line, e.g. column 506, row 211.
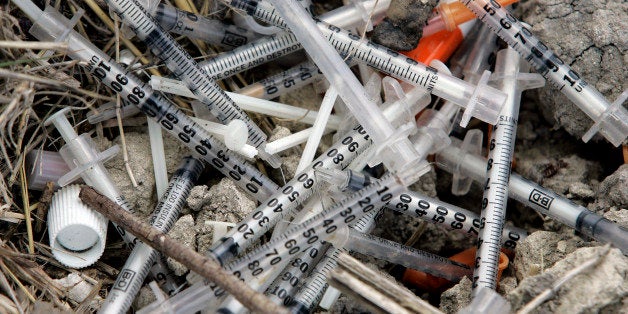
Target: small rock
column 506, row 285
column 581, row 190
column 183, row 232
column 278, row 133
column 222, row 202
column 587, row 36
column 199, row 196
column 602, row 287
column 540, row 250
column 79, row 289
column 144, row 298
column 456, row 297
column 142, row 198
column 613, row 191
column 403, row 26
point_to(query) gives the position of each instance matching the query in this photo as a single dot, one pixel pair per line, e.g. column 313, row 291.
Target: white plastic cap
column 77, row 233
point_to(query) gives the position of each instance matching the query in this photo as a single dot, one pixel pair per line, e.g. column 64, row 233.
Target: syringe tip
column 335, row 177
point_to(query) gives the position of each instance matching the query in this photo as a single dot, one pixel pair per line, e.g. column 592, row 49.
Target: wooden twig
column 551, row 292
column 203, row 265
column 42, row 206
column 375, row 291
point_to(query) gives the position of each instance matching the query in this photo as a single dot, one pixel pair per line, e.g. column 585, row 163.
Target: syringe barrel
column 538, row 198
column 195, row 26
column 409, row 257
column 292, row 194
column 551, row 66
column 276, row 85
column 603, row 230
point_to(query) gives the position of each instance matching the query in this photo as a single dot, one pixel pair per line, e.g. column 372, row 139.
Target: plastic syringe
column 480, row 101
column 456, row 160
column 421, row 206
column 82, row 157
column 611, row 120
column 299, row 238
column 409, row 203
column 50, row 25
column 288, row 198
column 277, row 45
column 284, row 82
column 183, row 66
column 451, row 14
column 502, row 145
column 394, row 148
column 134, row 271
column 302, row 185
column 396, row 253
column 196, row 26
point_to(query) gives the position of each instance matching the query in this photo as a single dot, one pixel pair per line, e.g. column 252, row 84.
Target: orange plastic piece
column 456, row 13
column 438, row 46
column 421, row 280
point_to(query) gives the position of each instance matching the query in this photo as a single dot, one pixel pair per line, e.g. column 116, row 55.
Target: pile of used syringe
column 290, row 253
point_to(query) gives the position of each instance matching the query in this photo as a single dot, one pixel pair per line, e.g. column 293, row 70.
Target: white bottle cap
column 77, row 233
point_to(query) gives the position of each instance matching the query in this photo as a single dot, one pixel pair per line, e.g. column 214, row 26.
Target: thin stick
column 17, row 281
column 125, row 151
column 203, row 265
column 551, row 292
column 376, row 291
column 27, row 210
column 45, row 81
column 33, row 45
column 7, row 288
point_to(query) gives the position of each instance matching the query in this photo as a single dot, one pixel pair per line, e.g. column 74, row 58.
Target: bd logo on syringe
column 124, row 279
column 539, row 198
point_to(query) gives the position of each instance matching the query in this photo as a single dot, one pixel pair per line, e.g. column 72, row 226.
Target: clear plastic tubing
column 611, row 120
column 453, row 159
column 284, row 82
column 272, row 47
column 134, row 271
column 195, row 26
column 51, row 25
column 183, row 66
column 394, row 252
column 482, row 101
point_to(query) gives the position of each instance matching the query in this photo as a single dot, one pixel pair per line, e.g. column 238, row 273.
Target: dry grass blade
column 52, row 83
column 44, row 45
